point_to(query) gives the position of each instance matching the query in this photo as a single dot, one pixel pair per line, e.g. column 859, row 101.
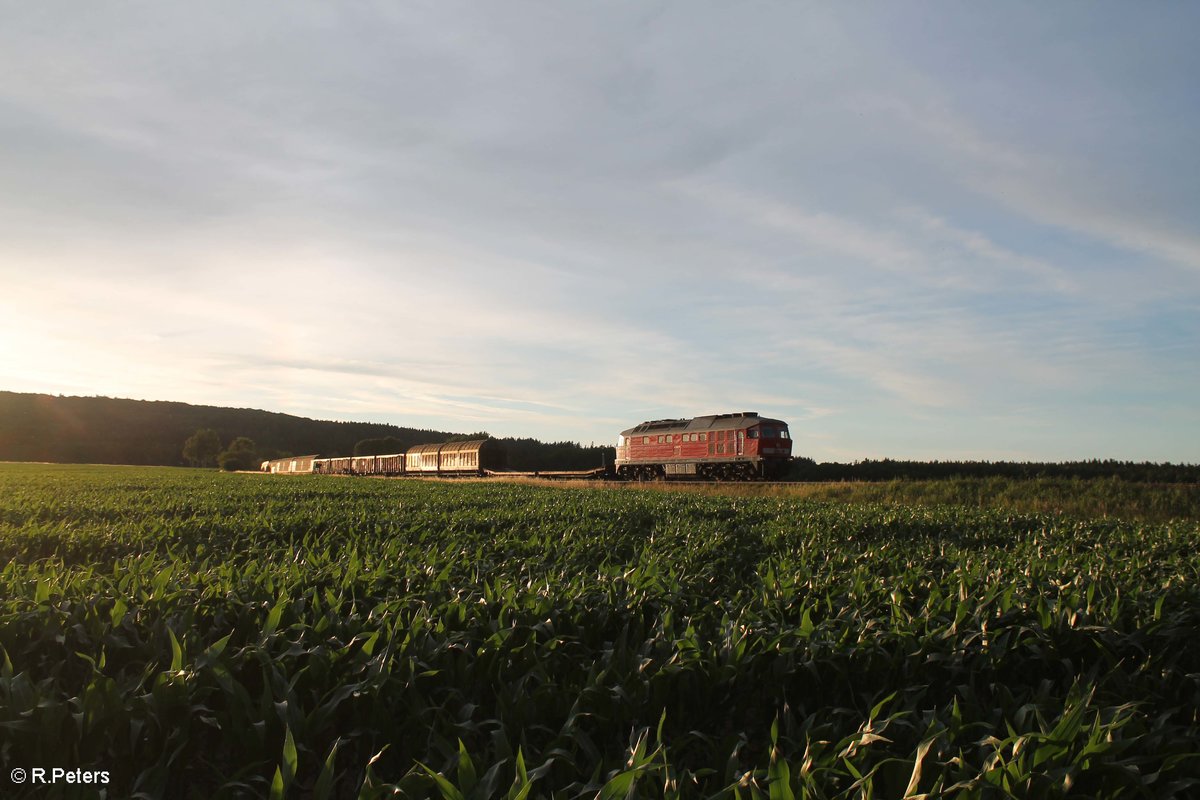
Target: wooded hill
column 105, row 430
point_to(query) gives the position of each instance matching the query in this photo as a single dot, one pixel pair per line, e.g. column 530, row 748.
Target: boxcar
column 292, row 465
column 335, row 466
column 455, row 458
column 422, row 458
column 392, row 464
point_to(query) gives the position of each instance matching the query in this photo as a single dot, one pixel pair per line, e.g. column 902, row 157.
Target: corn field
column 208, row 635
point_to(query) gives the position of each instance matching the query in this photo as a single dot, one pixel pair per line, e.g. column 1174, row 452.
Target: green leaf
column 214, row 650
column 806, row 623
column 176, row 652
column 323, row 789
column 278, row 790
column 780, row 776
column 449, row 790
column 879, row 706
column 274, row 617
column 466, row 769
column 619, row 786
column 290, row 756
column 117, row 614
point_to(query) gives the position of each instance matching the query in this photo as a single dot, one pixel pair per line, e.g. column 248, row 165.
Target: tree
column 388, row 445
column 469, row 437
column 202, row 448
column 242, row 453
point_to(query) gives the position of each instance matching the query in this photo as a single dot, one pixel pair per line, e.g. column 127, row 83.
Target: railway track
column 588, row 476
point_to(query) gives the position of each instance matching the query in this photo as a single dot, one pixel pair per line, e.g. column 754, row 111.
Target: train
column 738, row 446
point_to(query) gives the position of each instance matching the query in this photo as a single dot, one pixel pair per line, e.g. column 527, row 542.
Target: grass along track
column 208, row 635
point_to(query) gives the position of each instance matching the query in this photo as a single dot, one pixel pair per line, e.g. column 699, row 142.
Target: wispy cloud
column 556, row 222
column 1056, row 189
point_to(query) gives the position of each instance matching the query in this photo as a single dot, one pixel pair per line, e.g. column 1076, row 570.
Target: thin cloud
column 557, row 222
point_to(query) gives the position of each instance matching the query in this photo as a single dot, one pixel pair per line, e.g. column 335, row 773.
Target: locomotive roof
column 712, row 422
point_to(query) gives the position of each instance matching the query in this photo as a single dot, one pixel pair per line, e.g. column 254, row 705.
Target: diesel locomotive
column 740, row 446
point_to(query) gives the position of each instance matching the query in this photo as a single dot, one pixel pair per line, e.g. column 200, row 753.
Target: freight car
column 455, row 458
column 292, row 465
column 741, row 446
column 452, row 458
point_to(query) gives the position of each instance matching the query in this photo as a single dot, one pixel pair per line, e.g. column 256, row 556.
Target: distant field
column 201, row 634
column 1085, row 499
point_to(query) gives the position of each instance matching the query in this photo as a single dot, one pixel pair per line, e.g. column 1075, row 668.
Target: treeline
column 805, row 469
column 105, row 430
column 530, row 454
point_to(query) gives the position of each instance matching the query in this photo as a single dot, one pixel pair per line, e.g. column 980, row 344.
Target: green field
column 201, row 634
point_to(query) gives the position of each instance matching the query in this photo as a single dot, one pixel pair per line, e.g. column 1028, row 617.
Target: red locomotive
column 741, row 446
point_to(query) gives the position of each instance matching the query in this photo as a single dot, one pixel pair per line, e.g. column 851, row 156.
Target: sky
column 910, row 230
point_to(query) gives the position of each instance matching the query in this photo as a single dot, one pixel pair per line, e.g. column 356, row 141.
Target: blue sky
column 911, row 230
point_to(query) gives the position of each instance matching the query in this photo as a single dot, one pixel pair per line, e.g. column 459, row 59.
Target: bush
column 242, row 454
